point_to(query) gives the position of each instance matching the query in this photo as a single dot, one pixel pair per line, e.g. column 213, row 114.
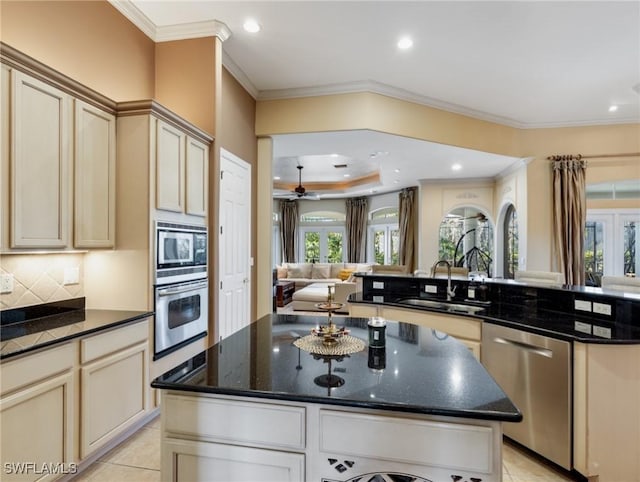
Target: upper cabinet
column 95, row 169
column 58, row 160
column 181, row 171
column 40, row 158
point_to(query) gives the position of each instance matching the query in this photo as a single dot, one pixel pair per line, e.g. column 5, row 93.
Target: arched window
column 510, row 242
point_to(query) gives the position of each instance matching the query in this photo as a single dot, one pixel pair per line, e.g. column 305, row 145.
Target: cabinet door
column 114, row 396
column 196, row 177
column 40, row 159
column 95, row 169
column 190, row 461
column 170, row 154
column 36, row 425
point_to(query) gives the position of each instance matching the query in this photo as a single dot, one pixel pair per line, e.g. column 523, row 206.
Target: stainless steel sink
column 442, row 305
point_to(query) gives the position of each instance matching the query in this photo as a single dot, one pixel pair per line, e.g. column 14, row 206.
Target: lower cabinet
column 191, row 461
column 228, row 439
column 60, row 405
column 37, row 419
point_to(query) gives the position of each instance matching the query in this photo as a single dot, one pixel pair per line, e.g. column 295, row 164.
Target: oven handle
column 181, row 289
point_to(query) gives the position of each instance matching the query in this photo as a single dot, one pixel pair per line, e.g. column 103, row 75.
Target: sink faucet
column 450, row 291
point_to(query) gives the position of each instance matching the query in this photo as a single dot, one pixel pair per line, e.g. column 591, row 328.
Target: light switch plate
column 378, row 285
column 431, row 288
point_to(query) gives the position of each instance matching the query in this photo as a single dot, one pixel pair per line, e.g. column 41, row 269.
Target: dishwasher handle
column 545, row 352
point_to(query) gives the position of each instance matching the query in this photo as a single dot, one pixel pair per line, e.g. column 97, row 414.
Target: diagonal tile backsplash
column 39, row 278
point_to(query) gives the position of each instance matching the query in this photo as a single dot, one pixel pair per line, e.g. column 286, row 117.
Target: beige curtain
column 289, row 230
column 357, row 213
column 570, row 214
column 408, row 224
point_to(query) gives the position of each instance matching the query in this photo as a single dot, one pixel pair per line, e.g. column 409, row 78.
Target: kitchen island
column 260, row 406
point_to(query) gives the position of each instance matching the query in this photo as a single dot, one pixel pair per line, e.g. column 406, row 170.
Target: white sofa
column 306, row 298
column 304, row 274
column 621, row 283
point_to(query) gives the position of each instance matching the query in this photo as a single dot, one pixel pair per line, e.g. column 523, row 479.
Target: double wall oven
column 181, row 286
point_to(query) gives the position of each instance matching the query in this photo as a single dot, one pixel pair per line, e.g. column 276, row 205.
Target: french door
column 322, row 245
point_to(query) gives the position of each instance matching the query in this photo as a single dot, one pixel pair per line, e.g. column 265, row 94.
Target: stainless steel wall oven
column 181, row 286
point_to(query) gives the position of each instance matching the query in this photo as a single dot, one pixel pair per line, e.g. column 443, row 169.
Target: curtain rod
column 577, row 157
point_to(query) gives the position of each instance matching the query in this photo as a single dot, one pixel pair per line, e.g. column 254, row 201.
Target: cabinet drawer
column 458, row 326
column 259, row 424
column 114, row 340
column 421, row 442
column 36, row 366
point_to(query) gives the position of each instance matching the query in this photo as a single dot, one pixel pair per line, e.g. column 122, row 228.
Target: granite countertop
column 33, row 328
column 419, row 370
column 542, row 322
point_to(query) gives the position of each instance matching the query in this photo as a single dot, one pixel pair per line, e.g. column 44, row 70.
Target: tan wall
column 89, row 41
column 236, row 134
column 185, row 79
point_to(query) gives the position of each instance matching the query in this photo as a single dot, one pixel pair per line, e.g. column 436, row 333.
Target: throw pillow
column 320, row 271
column 281, row 271
column 344, row 274
column 299, row 270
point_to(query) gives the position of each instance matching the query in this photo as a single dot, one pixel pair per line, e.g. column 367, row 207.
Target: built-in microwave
column 181, row 252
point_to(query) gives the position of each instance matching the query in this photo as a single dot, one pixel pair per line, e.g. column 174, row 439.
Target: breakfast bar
column 262, row 405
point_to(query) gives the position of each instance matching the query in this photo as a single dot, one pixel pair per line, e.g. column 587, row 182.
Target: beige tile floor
column 138, row 460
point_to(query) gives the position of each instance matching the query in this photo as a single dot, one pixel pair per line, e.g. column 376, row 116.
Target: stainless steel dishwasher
column 535, row 372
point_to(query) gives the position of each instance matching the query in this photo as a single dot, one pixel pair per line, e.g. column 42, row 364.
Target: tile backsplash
column 39, row 278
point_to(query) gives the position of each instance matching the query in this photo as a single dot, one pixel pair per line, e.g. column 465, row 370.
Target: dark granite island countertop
column 420, row 370
column 256, row 407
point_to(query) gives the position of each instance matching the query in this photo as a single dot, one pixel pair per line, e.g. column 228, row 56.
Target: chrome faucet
column 450, row 291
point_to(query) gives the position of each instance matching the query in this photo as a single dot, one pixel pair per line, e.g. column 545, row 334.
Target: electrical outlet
column 582, row 305
column 582, row 327
column 378, row 285
column 71, row 276
column 602, row 308
column 431, row 288
column 378, row 299
column 6, row 283
column 601, row 331
column 471, row 293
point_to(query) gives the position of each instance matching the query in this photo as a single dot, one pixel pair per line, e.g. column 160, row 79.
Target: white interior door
column 234, row 256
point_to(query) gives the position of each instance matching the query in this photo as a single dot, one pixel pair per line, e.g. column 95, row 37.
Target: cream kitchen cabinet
column 58, row 160
column 114, row 377
column 95, row 177
column 40, row 163
column 606, row 419
column 37, row 414
column 181, row 171
column 466, row 330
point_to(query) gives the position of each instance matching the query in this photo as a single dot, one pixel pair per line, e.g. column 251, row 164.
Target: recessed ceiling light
column 405, row 43
column 396, row 170
column 613, row 108
column 334, row 155
column 456, row 167
column 347, row 175
column 251, row 26
column 396, row 181
column 276, row 178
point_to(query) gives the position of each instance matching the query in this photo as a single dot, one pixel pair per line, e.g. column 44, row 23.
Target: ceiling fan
column 300, row 192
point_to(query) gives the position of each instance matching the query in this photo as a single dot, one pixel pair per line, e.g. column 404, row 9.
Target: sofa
column 306, row 299
column 304, row 274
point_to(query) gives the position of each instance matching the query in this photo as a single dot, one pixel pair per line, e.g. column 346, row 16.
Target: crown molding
column 239, row 75
column 207, row 28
